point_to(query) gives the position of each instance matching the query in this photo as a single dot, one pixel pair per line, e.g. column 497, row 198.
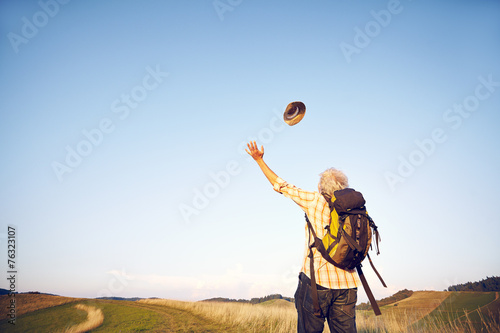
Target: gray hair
column 332, row 180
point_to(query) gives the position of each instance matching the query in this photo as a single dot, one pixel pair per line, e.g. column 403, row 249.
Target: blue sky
column 122, row 126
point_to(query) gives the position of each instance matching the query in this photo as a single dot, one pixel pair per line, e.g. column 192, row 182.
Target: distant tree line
column 402, row 294
column 224, row 300
column 252, row 301
column 488, row 284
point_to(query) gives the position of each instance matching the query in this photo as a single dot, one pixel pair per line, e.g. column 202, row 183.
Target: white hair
column 332, row 180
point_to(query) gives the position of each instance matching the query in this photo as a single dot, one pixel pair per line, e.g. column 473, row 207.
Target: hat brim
column 294, row 113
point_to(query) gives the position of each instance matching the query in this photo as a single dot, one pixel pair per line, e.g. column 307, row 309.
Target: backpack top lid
column 347, row 200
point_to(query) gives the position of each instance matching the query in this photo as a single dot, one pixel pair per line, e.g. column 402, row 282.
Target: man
column 337, row 288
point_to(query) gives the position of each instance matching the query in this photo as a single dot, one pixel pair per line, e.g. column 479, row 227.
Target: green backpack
column 347, row 241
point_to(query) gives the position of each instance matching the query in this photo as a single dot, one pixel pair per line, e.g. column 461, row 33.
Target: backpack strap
column 314, row 288
column 375, row 270
column 375, row 232
column 350, row 241
column 318, row 244
column 334, row 243
column 368, row 291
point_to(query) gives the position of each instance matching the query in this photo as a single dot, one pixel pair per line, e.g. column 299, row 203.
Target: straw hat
column 294, row 113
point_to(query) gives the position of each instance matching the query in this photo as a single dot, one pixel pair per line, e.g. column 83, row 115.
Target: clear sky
column 122, row 125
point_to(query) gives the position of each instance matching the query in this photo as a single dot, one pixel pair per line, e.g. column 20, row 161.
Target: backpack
column 347, row 241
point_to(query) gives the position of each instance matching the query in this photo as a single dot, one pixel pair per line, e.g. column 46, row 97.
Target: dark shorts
column 337, row 307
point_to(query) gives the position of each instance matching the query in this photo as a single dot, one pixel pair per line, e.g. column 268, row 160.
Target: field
column 424, row 311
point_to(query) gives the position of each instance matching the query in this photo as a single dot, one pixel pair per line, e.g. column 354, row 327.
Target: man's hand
column 254, row 151
column 257, row 155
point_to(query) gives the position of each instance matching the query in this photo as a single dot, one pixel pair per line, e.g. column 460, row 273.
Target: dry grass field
column 277, row 316
column 424, row 311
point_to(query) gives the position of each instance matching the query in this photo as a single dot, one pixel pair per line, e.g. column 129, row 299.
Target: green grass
column 119, row 316
column 458, row 302
column 486, row 316
column 46, row 320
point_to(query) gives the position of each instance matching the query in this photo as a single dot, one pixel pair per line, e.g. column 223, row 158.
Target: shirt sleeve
column 303, row 198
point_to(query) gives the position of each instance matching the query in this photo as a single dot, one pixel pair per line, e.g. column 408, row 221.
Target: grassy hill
column 438, row 311
column 29, row 302
column 400, row 295
column 475, row 309
column 281, row 303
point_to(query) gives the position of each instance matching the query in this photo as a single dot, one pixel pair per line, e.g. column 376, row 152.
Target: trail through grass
column 94, row 319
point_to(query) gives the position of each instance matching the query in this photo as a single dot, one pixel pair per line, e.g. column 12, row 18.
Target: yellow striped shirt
column 318, row 211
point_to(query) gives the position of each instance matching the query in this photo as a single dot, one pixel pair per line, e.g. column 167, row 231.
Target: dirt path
column 94, row 319
column 184, row 321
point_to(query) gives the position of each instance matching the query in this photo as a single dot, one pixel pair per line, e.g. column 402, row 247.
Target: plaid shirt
column 316, row 208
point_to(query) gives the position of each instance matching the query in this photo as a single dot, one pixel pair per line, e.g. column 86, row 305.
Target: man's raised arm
column 258, row 155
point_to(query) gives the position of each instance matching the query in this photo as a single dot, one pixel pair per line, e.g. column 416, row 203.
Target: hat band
column 291, row 116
